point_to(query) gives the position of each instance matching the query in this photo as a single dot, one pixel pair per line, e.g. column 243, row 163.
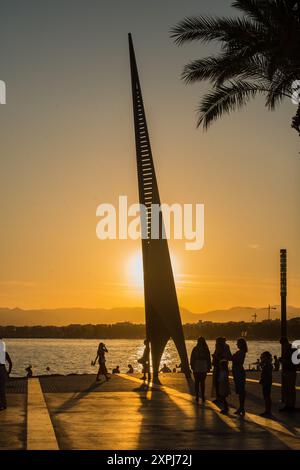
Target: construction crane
column 269, row 308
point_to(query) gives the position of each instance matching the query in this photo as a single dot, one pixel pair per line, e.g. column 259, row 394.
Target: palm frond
column 209, row 68
column 224, row 67
column 256, row 10
column 260, row 53
column 280, row 87
column 225, row 99
column 207, row 28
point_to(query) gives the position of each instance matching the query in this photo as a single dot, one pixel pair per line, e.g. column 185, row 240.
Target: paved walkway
column 75, row 412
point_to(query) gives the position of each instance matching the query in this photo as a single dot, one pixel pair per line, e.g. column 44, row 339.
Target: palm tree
column 260, row 54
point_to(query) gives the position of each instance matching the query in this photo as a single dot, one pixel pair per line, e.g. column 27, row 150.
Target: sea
column 75, row 356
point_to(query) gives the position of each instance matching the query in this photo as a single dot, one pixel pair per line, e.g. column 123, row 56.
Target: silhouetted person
column 223, row 385
column 201, row 365
column 266, row 381
column 258, row 364
column 29, row 371
column 145, row 361
column 239, row 374
column 101, row 359
column 276, row 364
column 116, row 370
column 222, row 351
column 165, row 369
column 130, row 369
column 4, row 357
column 289, row 375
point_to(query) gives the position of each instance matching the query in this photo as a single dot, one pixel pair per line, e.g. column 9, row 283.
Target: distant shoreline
column 265, row 330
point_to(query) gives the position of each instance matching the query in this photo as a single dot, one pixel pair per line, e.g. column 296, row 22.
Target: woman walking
column 239, row 374
column 200, row 364
column 101, row 359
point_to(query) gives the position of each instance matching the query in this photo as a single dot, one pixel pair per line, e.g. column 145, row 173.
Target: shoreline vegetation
column 265, row 330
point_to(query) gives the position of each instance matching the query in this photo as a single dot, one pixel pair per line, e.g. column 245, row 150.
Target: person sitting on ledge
column 29, row 371
column 130, row 369
column 165, row 369
column 116, row 370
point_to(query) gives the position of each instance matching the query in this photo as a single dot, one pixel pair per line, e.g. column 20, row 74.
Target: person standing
column 223, row 385
column 222, row 351
column 201, row 365
column 145, row 361
column 276, row 364
column 239, row 374
column 4, row 357
column 101, row 359
column 289, row 375
column 266, row 381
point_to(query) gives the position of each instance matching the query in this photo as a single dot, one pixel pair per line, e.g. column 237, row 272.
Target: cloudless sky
column 67, row 145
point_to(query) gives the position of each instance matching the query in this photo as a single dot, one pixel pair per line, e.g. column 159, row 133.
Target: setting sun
column 135, row 268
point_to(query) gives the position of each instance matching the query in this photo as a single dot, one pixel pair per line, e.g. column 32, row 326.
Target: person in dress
column 222, row 352
column 223, row 385
column 239, row 374
column 201, row 365
column 102, row 350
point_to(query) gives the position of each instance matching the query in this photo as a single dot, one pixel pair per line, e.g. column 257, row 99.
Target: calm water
column 65, row 356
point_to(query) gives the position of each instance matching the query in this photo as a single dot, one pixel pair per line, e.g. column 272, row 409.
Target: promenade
column 75, row 412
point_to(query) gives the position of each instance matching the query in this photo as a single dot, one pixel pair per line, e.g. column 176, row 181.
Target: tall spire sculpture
column 163, row 320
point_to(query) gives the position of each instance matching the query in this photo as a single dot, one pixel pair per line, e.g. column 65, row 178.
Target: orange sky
column 68, row 145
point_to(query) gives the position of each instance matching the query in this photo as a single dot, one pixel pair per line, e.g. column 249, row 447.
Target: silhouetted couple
column 221, row 358
column 201, row 364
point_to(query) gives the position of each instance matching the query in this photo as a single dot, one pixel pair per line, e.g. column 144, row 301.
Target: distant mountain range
column 67, row 316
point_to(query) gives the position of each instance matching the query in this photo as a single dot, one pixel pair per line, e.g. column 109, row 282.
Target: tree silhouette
column 260, row 54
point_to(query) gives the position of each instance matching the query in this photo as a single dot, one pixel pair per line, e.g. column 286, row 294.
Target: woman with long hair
column 239, row 374
column 201, row 365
